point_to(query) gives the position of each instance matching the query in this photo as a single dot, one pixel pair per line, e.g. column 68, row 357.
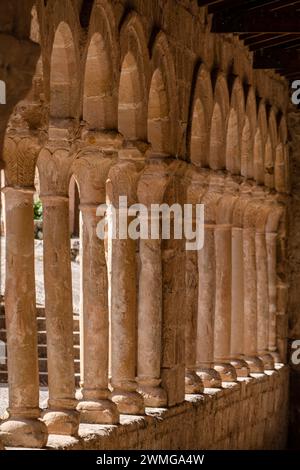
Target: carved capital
column 55, row 170
column 122, row 181
column 91, row 169
column 20, row 155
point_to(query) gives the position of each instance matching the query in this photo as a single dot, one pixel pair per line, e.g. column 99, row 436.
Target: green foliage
column 38, row 210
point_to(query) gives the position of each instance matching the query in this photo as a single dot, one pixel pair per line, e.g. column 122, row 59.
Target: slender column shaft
column 206, row 310
column 222, row 332
column 250, row 293
column 22, row 427
column 262, row 300
column 262, row 293
column 61, row 417
column 250, row 301
column 150, row 323
column 237, row 290
column 271, row 239
column 193, row 383
column 95, row 407
column 123, row 326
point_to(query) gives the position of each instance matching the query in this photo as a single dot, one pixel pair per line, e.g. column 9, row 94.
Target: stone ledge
column 250, row 414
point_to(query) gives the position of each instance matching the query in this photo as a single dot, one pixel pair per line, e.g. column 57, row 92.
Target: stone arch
column 234, row 128
column 162, row 105
column 247, row 150
column 133, row 94
column 258, row 158
column 63, row 74
column 217, row 158
column 233, row 163
column 37, row 82
column 101, row 70
column 98, row 97
column 269, row 163
column 270, row 151
column 262, row 121
column 282, row 171
column 248, row 134
column 200, row 119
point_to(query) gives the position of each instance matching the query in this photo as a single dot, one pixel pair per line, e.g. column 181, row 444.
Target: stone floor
column 39, row 276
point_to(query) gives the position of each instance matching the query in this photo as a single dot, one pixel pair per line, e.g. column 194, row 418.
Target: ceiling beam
column 258, row 22
column 288, row 61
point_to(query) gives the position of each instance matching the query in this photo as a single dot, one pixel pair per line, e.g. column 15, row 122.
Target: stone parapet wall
column 248, row 415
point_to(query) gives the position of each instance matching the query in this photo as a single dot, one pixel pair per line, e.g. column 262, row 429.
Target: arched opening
column 63, row 74
column 233, row 163
column 280, row 169
column 269, row 164
column 158, row 115
column 247, row 151
column 216, row 150
column 258, row 159
column 130, row 115
column 98, row 100
column 199, row 135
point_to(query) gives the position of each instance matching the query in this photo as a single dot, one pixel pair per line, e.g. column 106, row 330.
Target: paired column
column 222, row 331
column 271, row 240
column 237, row 304
column 193, row 383
column 124, row 325
column 206, row 312
column 61, row 416
column 95, row 406
column 150, row 323
column 250, row 302
column 262, row 300
column 23, row 427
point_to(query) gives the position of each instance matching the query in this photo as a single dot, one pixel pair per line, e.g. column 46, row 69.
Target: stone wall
column 248, row 415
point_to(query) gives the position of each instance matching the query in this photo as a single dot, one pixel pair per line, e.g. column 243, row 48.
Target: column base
column 276, row 357
column 210, row 377
column 193, row 383
column 98, row 412
column 153, row 394
column 128, row 403
column 23, row 432
column 255, row 364
column 61, row 421
column 226, row 371
column 267, row 360
column 241, row 367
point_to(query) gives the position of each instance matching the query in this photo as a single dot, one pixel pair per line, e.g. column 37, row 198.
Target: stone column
column 206, row 310
column 271, row 240
column 222, row 329
column 123, row 328
column 262, row 300
column 250, row 301
column 22, row 427
column 193, row 382
column 122, row 182
column 61, row 416
column 150, row 324
column 95, row 406
column 237, row 292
